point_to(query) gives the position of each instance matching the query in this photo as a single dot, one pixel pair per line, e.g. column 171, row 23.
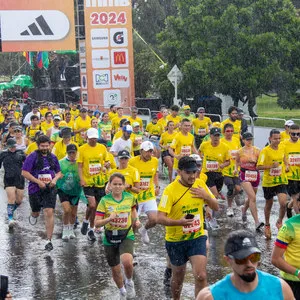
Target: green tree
column 240, row 48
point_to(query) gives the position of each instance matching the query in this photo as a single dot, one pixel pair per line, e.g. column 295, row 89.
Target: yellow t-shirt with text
column 234, row 145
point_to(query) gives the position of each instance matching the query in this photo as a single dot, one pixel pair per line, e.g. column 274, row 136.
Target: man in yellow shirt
column 271, row 161
column 115, row 123
column 92, row 163
column 233, row 119
column 187, row 113
column 81, row 125
column 134, row 118
column 201, row 126
column 154, row 131
column 163, row 120
column 285, row 135
column 147, row 165
column 181, row 211
column 174, row 116
column 112, row 112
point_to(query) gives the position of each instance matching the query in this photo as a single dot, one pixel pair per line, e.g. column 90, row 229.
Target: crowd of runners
column 114, row 164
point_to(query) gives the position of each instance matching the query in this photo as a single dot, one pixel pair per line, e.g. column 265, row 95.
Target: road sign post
column 175, row 76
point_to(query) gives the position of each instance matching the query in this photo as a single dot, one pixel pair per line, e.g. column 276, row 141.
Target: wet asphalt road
column 77, row 269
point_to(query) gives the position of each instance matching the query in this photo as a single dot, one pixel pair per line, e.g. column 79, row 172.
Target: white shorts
column 147, row 206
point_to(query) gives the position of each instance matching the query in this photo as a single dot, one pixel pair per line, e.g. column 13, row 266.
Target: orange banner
column 109, row 76
column 37, row 25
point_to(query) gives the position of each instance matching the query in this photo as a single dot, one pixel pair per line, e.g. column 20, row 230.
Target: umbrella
column 6, row 85
column 22, row 81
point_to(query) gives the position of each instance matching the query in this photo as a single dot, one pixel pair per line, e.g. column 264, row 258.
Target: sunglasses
column 254, row 258
column 295, row 133
column 228, row 130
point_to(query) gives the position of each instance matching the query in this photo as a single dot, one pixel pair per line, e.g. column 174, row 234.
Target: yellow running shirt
column 154, row 129
column 137, row 119
column 138, row 138
column 93, row 159
column 201, row 127
column 60, row 149
column 81, row 124
column 292, row 154
column 213, row 156
column 234, row 147
column 31, row 147
column 273, row 176
column 131, row 175
column 147, row 171
column 166, row 139
column 176, row 120
column 163, row 123
column 236, row 127
column 284, row 136
column 182, row 145
column 186, row 205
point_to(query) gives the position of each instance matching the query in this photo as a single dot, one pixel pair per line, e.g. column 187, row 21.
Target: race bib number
column 251, row 176
column 186, row 150
column 212, row 165
column 94, row 169
column 145, row 183
column 120, row 221
column 193, row 227
column 46, row 178
column 276, row 171
column 294, row 159
column 233, row 154
column 202, row 131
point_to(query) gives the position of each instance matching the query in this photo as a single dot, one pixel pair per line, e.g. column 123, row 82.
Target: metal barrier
column 296, row 120
column 214, row 115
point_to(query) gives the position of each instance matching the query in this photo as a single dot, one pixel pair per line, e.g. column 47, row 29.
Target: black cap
column 247, row 136
column 215, row 131
column 240, row 111
column 123, row 154
column 187, row 164
column 123, row 122
column 83, row 110
column 240, row 244
column 10, row 143
column 71, row 148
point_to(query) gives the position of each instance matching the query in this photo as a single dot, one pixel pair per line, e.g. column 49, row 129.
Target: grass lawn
column 267, row 107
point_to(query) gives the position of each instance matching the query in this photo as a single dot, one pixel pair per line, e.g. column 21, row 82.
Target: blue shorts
column 180, row 252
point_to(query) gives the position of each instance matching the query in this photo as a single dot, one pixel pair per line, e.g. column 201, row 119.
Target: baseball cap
column 197, row 158
column 215, row 131
column 187, row 164
column 18, row 128
column 201, row 109
column 124, row 121
column 10, row 143
column 240, row 244
column 289, row 123
column 123, row 154
column 247, row 136
column 240, row 111
column 127, row 128
column 56, row 117
column 135, row 124
column 186, row 107
column 92, row 133
column 83, row 110
column 146, row 146
column 71, row 148
column 66, row 132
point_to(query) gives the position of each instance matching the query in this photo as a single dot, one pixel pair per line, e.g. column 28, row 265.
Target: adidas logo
column 38, row 27
column 107, row 3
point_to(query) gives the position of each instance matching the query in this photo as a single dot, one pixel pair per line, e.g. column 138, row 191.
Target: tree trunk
column 251, row 104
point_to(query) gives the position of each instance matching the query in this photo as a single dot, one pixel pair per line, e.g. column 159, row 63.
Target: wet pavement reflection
column 77, row 269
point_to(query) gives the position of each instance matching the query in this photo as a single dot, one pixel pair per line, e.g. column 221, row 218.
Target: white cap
column 146, row 146
column 127, row 128
column 196, row 157
column 92, row 133
column 135, row 124
column 289, row 123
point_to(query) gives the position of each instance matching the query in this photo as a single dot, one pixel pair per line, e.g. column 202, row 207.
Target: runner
column 174, row 116
column 134, row 118
column 181, row 211
column 33, row 146
column 246, row 160
column 163, row 120
column 112, row 111
column 48, row 123
column 271, row 160
column 21, row 140
column 115, row 122
column 285, row 135
column 136, row 138
column 12, row 161
column 119, row 133
column 233, row 120
column 231, row 178
column 165, row 142
column 154, row 131
column 246, row 282
column 69, row 191
column 81, row 125
column 123, row 143
column 33, row 128
column 187, row 113
column 147, row 165
column 92, row 164
column 117, row 212
column 42, row 169
column 55, row 128
column 105, row 127
column 292, row 155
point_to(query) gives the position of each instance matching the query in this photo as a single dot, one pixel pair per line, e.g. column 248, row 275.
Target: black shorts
column 295, row 286
column 215, row 179
column 113, row 253
column 198, row 140
column 92, row 191
column 18, row 182
column 270, row 192
column 232, row 180
column 63, row 197
column 43, row 199
column 136, row 152
column 293, row 187
column 180, row 252
column 165, row 153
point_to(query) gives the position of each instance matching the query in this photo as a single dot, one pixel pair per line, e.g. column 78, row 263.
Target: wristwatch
column 297, row 272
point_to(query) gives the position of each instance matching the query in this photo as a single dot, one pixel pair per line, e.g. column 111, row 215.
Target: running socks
column 10, row 211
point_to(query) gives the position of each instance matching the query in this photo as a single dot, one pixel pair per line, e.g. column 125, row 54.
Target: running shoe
column 65, row 235
column 268, row 233
column 91, row 236
column 72, row 234
column 48, row 245
column 77, row 223
column 84, row 228
column 11, row 223
column 289, row 211
column 258, row 226
column 123, row 296
column 32, row 220
column 144, row 234
column 130, row 290
column 213, row 224
column 230, row 212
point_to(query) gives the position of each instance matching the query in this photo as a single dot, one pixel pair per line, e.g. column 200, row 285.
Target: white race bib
column 120, row 221
column 212, row 165
column 194, row 227
column 185, row 150
column 202, row 131
column 94, row 169
column 145, row 183
column 276, row 171
column 250, row 176
column 46, row 178
column 294, row 159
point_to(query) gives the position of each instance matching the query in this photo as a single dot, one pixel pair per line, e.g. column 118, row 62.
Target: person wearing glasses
column 246, row 281
column 292, row 157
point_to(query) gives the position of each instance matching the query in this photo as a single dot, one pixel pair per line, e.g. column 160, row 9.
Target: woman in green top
column 117, row 212
column 105, row 127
